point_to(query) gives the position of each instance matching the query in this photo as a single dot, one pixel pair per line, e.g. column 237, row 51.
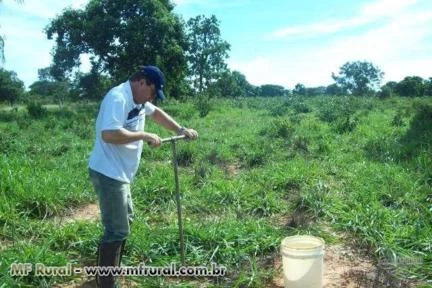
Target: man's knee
column 118, row 235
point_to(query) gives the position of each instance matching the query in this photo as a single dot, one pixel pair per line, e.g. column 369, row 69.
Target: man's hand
column 153, row 139
column 189, row 133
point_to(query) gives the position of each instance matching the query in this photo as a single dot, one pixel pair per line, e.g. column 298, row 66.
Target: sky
column 283, row 42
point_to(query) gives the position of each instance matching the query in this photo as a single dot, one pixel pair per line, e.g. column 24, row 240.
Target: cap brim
column 160, row 95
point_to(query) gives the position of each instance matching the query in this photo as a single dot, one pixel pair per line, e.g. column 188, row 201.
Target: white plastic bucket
column 302, row 261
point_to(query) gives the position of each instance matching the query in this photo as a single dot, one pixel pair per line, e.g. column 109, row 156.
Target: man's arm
column 123, row 136
column 162, row 118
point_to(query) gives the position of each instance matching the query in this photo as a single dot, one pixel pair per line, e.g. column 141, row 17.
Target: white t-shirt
column 118, row 110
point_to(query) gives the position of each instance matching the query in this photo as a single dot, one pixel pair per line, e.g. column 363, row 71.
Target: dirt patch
column 88, row 212
column 344, row 266
column 5, row 244
column 232, row 169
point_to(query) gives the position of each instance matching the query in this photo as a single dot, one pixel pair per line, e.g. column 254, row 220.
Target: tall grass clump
column 36, row 110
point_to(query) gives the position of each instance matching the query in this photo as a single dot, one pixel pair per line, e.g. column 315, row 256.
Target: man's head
column 147, row 84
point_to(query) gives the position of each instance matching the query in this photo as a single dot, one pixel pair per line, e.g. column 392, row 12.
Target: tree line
column 121, row 35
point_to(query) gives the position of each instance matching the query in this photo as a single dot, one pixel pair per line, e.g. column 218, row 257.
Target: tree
column 226, row 86
column 335, row 90
column 270, row 90
column 359, row 78
column 299, row 89
column 52, row 91
column 119, row 36
column 387, row 90
column 315, row 91
column 207, row 52
column 410, row 86
column 247, row 88
column 44, row 74
column 391, row 85
column 428, row 87
column 11, row 88
column 232, row 84
column 2, row 58
column 91, row 85
column 49, row 89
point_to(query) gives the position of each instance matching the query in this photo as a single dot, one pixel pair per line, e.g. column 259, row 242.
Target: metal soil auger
column 173, row 140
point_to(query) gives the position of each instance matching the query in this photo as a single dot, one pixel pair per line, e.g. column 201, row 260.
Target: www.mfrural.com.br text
column 40, row 269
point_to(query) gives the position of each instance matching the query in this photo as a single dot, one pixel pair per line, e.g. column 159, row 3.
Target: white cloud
column 286, row 71
column 398, row 46
column 26, row 46
column 383, row 8
column 368, row 14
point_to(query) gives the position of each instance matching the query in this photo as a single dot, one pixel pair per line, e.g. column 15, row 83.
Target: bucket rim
column 319, row 242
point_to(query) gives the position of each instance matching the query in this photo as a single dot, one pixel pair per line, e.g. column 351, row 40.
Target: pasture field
column 262, row 169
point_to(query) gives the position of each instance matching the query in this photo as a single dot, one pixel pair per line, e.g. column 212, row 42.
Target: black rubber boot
column 122, row 251
column 109, row 254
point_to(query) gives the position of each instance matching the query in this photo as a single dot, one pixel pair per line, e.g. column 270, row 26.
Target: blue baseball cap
column 157, row 78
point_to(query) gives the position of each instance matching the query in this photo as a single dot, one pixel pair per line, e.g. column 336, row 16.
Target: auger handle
column 173, row 138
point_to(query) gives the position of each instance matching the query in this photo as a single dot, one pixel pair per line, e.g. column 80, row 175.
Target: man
column 116, row 155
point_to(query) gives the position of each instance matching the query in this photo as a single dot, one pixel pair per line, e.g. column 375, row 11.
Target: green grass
column 359, row 165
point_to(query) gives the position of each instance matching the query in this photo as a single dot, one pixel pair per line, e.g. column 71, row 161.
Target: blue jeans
column 115, row 204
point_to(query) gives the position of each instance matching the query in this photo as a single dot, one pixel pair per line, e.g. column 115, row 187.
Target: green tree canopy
column 1, row 50
column 391, row 85
column 299, row 89
column 120, row 35
column 359, row 77
column 11, row 88
column 410, row 86
column 428, row 87
column 232, row 84
column 315, row 91
column 334, row 89
column 207, row 51
column 269, row 90
column 90, row 85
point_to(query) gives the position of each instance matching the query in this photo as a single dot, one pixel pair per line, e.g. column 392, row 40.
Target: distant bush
column 279, row 128
column 340, row 108
column 36, row 110
column 420, row 126
column 335, row 108
column 386, row 92
column 279, row 109
column 347, row 124
column 203, row 105
column 301, row 107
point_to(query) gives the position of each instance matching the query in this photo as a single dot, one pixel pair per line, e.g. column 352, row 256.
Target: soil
column 88, row 212
column 232, row 169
